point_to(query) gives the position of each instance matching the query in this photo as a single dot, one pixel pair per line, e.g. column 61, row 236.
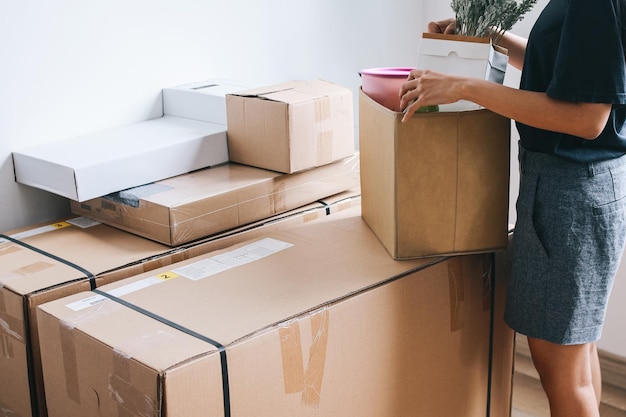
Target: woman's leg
column 567, row 376
column 596, row 374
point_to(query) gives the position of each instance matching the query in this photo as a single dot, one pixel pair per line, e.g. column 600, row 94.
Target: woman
column 570, row 112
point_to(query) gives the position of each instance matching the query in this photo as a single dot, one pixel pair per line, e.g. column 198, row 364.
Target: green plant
column 489, row 17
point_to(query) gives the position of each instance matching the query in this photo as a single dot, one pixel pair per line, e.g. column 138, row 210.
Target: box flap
column 294, row 91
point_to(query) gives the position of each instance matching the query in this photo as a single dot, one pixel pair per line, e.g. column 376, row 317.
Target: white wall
column 71, row 68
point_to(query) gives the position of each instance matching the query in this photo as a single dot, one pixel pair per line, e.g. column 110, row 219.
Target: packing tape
column 9, row 249
column 130, row 400
column 317, row 360
column 457, row 292
column 322, row 109
column 6, row 347
column 6, row 411
column 67, row 340
column 221, row 348
column 291, row 353
column 296, row 377
column 11, row 328
column 325, row 145
column 70, row 365
column 278, row 198
column 42, row 265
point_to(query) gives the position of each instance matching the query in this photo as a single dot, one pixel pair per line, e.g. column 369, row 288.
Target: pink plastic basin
column 383, row 85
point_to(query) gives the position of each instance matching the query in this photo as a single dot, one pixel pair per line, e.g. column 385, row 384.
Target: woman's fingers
column 442, row 26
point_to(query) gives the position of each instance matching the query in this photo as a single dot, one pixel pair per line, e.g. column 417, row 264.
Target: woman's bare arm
column 537, row 109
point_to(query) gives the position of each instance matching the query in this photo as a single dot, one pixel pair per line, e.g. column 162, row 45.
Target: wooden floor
column 529, row 399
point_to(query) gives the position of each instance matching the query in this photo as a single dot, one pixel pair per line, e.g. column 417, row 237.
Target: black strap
column 219, row 346
column 92, row 281
column 326, row 205
column 92, row 278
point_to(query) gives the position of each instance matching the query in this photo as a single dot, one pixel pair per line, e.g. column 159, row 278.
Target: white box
column 202, row 100
column 465, row 56
column 101, row 163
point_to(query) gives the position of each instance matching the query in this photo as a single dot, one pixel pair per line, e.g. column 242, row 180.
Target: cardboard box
column 292, row 126
column 466, row 56
column 317, row 320
column 50, row 261
column 438, row 184
column 202, row 100
column 42, row 263
column 98, row 164
column 202, row 203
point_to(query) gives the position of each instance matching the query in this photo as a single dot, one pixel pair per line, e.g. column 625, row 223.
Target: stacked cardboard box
column 283, row 308
column 202, row 203
column 313, row 320
column 50, row 261
column 292, row 126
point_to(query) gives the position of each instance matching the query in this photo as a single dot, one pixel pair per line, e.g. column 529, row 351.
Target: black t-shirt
column 575, row 52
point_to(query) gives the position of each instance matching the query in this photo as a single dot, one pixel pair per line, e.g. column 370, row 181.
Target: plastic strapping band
column 92, row 278
column 92, row 281
column 219, row 346
column 29, row 352
column 325, row 205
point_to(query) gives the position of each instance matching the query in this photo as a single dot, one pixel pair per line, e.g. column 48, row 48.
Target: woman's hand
column 428, row 88
column 442, row 26
column 423, row 87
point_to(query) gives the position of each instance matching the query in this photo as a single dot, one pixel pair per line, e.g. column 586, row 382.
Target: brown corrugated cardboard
column 315, row 320
column 202, row 203
column 29, row 275
column 104, row 162
column 292, row 126
column 438, row 184
column 45, row 262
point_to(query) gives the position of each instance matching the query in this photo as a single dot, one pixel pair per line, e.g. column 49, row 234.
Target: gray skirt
column 567, row 245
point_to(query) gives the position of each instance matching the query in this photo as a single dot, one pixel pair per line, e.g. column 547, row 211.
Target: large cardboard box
column 292, row 126
column 94, row 165
column 315, row 320
column 203, row 100
column 438, row 184
column 42, row 263
column 49, row 261
column 467, row 56
column 202, row 203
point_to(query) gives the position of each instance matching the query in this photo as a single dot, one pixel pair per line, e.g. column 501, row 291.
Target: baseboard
column 613, row 366
column 613, row 369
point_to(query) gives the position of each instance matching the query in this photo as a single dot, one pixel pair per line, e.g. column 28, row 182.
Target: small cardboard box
column 50, row 261
column 438, row 184
column 202, row 100
column 98, row 164
column 292, row 126
column 313, row 321
column 465, row 56
column 205, row 202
